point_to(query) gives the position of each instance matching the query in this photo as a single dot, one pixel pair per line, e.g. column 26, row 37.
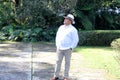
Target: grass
column 100, row 58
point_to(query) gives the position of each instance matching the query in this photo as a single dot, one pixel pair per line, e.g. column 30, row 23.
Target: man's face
column 67, row 21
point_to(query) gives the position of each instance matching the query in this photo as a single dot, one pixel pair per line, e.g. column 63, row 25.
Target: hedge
column 98, row 37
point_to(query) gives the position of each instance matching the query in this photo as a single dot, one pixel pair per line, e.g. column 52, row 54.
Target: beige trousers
column 60, row 55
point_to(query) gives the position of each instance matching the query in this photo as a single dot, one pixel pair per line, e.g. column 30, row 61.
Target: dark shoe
column 55, row 78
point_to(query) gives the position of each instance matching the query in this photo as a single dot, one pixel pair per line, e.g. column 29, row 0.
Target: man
column 66, row 41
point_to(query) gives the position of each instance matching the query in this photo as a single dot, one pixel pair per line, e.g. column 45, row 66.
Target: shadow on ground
column 43, row 71
column 44, row 47
column 16, row 62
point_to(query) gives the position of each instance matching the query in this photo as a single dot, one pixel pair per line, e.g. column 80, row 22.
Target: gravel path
column 19, row 61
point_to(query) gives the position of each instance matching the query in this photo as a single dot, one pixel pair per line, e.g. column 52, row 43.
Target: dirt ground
column 37, row 61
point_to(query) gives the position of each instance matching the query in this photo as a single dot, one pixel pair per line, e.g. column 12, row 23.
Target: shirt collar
column 67, row 26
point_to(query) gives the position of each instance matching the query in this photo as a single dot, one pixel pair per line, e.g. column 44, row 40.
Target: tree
column 87, row 11
column 6, row 13
column 34, row 20
column 63, row 6
column 106, row 17
column 37, row 20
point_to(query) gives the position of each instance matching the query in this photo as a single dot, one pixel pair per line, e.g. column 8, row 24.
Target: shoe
column 55, row 78
column 66, row 79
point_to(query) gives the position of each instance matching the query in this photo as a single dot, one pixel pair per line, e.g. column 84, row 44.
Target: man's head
column 69, row 19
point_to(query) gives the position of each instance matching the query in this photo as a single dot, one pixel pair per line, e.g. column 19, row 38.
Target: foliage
column 6, row 13
column 107, row 21
column 30, row 13
column 2, row 36
column 62, row 7
column 32, row 22
column 38, row 20
column 98, row 37
column 85, row 11
column 30, row 34
column 94, row 14
column 116, row 45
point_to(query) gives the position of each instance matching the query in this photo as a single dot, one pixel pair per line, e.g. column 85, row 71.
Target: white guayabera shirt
column 66, row 37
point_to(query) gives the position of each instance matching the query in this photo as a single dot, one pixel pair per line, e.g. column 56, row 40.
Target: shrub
column 17, row 33
column 2, row 36
column 31, row 21
column 116, row 44
column 98, row 37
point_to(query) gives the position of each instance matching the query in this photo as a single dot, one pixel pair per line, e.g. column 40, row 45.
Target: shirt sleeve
column 56, row 39
column 57, row 36
column 75, row 38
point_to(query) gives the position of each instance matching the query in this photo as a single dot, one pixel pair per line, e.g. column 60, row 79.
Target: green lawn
column 100, row 58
